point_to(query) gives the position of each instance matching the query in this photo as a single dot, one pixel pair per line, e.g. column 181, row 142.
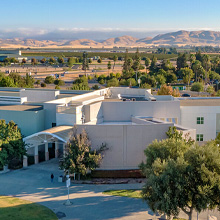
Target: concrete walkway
column 33, row 183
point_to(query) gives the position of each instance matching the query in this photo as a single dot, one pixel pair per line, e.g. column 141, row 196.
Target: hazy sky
column 100, row 19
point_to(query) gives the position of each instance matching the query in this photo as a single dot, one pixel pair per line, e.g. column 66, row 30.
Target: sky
column 101, row 19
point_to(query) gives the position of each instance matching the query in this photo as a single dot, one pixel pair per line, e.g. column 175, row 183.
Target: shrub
column 49, row 80
column 59, row 82
column 197, row 87
column 43, row 84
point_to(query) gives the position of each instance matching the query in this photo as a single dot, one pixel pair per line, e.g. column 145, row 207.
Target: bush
column 43, row 84
column 131, row 82
column 57, row 87
column 49, row 80
column 59, row 82
column 197, row 87
column 95, row 87
column 112, row 83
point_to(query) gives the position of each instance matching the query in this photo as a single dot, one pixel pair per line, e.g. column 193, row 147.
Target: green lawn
column 16, row 209
column 133, row 193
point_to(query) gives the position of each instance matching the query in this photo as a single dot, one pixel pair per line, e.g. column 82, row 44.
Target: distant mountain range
column 179, row 38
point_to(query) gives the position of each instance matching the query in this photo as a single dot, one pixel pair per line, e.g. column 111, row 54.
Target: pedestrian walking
column 52, row 176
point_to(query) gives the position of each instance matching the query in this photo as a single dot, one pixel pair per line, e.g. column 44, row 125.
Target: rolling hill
column 179, row 38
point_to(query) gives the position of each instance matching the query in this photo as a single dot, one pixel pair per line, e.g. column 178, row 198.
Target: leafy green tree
column 109, row 66
column 147, row 63
column 59, row 82
column 161, row 50
column 126, row 67
column 13, row 60
column 112, row 82
column 148, row 80
column 7, row 61
column 60, row 60
column 81, row 84
column 37, row 82
column 181, row 175
column 52, row 61
column 99, row 60
column 57, row 87
column 181, row 61
column 43, row 60
column 12, row 146
column 216, row 62
column 79, row 157
column 192, row 59
column 17, row 79
column 206, row 64
column 199, row 56
column 29, row 81
column 197, row 87
column 210, row 90
column 95, row 87
column 197, row 67
column 34, row 61
column 167, row 65
column 213, row 75
column 131, row 82
column 85, row 63
column 43, row 84
column 170, row 77
column 153, row 65
column 161, row 80
column 115, row 58
column 71, row 61
column 49, row 80
column 23, row 61
column 145, row 86
column 137, row 61
column 187, row 74
column 7, row 82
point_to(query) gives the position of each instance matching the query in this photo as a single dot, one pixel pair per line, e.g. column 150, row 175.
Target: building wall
column 93, row 112
column 38, row 95
column 123, row 111
column 189, row 116
column 29, row 122
column 126, row 142
column 65, row 119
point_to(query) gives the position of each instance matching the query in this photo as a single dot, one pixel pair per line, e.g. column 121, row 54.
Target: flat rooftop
column 10, row 93
column 117, row 123
column 200, row 102
column 21, row 107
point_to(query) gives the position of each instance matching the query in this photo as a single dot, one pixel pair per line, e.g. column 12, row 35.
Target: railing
column 66, row 109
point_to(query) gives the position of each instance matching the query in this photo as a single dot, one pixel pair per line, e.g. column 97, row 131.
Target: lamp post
column 67, row 203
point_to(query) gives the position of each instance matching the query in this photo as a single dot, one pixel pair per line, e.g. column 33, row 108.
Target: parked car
column 186, row 95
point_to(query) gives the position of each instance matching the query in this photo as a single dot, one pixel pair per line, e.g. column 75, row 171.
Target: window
column 200, row 120
column 199, row 137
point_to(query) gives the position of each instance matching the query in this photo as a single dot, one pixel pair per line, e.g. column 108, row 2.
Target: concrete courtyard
column 33, row 183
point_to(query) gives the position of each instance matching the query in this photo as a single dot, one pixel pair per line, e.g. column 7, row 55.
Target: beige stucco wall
column 123, row 111
column 126, row 142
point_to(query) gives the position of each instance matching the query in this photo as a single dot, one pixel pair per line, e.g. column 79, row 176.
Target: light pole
column 67, row 203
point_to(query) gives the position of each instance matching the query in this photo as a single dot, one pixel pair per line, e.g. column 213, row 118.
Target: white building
column 124, row 118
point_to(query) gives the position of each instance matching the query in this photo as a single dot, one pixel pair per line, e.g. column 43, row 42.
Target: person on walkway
column 52, row 176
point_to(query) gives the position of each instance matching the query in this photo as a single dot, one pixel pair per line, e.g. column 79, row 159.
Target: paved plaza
column 34, row 184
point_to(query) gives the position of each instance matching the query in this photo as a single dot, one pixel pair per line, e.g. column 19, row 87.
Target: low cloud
column 97, row 34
